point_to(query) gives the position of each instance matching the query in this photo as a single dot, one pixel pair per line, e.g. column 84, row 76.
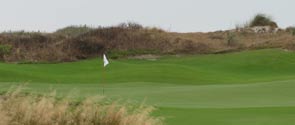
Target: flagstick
column 102, row 79
column 103, row 68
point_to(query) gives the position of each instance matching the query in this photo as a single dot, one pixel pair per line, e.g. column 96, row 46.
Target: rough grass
column 17, row 108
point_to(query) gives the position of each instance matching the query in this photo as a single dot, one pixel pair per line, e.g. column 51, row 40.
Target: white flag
column 105, row 61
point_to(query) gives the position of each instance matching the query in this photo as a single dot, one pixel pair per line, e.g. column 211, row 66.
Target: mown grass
column 230, row 116
column 243, row 88
column 244, row 67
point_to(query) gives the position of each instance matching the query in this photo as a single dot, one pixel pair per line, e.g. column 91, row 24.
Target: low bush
column 262, row 20
column 4, row 49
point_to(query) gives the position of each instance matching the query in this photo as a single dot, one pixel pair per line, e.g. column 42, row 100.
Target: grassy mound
column 72, row 31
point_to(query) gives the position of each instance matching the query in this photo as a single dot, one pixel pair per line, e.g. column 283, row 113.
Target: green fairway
column 243, row 88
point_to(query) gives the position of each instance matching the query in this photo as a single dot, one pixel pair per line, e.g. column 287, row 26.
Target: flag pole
column 102, row 77
column 103, row 82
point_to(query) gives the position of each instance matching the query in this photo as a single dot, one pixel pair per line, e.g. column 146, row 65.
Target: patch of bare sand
column 150, row 57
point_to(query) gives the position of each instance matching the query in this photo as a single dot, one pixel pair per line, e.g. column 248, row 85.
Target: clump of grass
column 262, row 20
column 17, row 108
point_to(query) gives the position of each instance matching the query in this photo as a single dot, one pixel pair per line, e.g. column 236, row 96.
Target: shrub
column 231, row 39
column 17, row 108
column 291, row 30
column 262, row 20
column 4, row 49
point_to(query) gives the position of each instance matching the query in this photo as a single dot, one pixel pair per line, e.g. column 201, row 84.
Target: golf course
column 252, row 87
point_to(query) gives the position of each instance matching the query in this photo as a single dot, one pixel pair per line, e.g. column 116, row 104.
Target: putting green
column 245, row 88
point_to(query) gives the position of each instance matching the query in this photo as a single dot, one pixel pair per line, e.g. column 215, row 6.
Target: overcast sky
column 172, row 15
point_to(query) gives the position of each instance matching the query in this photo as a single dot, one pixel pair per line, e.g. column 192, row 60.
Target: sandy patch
column 146, row 57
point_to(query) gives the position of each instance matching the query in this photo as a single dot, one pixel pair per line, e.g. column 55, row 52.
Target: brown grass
column 17, row 108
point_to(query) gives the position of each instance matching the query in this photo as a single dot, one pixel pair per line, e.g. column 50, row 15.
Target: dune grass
column 18, row 108
column 243, row 88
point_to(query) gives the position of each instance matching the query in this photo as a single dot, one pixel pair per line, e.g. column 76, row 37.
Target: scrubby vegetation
column 17, row 108
column 131, row 39
column 75, row 43
column 291, row 30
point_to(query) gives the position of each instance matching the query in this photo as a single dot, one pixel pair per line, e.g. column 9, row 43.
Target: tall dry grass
column 17, row 108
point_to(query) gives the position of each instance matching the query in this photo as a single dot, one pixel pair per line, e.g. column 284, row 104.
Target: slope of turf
column 245, row 88
column 244, row 67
